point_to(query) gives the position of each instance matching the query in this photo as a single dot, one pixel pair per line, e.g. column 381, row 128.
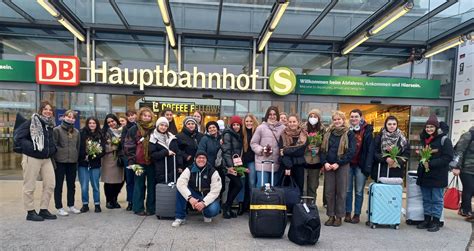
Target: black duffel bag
column 305, row 226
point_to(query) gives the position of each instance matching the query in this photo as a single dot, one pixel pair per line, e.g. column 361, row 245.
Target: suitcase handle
column 273, row 169
column 378, row 171
column 166, row 169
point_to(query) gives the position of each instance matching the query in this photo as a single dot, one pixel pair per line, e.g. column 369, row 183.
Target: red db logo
column 57, row 70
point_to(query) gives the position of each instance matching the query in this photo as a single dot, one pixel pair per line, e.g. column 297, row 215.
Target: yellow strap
column 267, row 207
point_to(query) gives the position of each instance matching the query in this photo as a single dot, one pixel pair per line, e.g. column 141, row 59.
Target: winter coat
column 124, row 133
column 232, row 144
column 210, row 145
column 331, row 155
column 366, row 154
column 67, row 145
column 442, row 154
column 111, row 173
column 381, row 162
column 188, row 144
column 22, row 138
column 204, row 181
column 133, row 146
column 466, row 161
column 158, row 153
column 266, row 134
column 312, row 162
column 292, row 156
column 249, row 155
column 90, row 162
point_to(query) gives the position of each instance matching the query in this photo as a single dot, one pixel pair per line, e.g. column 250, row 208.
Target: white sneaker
column 62, row 212
column 74, row 210
column 178, row 222
column 207, row 220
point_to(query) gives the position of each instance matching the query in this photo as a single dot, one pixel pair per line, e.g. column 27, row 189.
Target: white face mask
column 313, row 121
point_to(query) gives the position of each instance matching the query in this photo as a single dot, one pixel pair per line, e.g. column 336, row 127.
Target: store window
column 420, row 69
column 285, row 106
column 119, row 104
column 258, row 108
column 102, row 106
column 326, row 110
column 83, row 102
column 60, row 100
column 227, row 109
column 241, row 107
column 441, row 68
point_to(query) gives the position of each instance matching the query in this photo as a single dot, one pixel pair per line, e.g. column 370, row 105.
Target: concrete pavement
column 117, row 229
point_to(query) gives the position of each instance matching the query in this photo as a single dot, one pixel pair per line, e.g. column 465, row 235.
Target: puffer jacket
column 22, row 138
column 267, row 134
column 442, row 154
column 232, row 144
column 466, row 161
column 188, row 143
column 292, row 155
column 210, row 145
column 158, row 153
column 67, row 145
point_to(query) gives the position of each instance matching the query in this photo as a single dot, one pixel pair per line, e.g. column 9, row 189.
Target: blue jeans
column 92, row 175
column 355, row 174
column 252, row 174
column 266, row 178
column 210, row 211
column 432, row 201
column 130, row 180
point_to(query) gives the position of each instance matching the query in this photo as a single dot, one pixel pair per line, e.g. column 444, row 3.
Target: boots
column 129, row 206
column 330, row 221
column 241, row 209
column 337, row 222
column 227, row 212
column 109, row 205
column 97, row 209
column 116, row 204
column 348, row 217
column 33, row 216
column 47, row 215
column 85, row 208
column 434, row 225
column 426, row 223
column 355, row 219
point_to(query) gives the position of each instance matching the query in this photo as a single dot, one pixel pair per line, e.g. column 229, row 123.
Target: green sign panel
column 19, row 71
column 367, row 86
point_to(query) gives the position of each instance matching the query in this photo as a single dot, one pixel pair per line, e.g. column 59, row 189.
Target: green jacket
column 467, row 155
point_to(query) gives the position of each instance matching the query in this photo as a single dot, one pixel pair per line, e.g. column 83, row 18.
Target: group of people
column 143, row 151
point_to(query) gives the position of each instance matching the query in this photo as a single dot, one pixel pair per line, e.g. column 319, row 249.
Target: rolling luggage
column 385, row 204
column 267, row 210
column 166, row 195
column 415, row 212
column 305, row 226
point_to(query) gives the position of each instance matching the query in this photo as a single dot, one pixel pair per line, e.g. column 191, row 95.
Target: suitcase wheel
column 409, row 222
column 396, row 227
column 158, row 217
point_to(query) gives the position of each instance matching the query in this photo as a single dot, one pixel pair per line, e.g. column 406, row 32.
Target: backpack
column 218, row 162
column 19, row 120
column 455, row 162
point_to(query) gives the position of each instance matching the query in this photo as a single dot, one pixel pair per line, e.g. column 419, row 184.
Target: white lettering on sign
column 169, row 78
column 6, row 67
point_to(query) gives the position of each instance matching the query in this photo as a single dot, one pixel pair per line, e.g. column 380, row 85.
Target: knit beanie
column 316, row 112
column 162, row 120
column 189, row 119
column 433, row 120
column 235, row 120
column 199, row 153
column 221, row 124
column 214, row 123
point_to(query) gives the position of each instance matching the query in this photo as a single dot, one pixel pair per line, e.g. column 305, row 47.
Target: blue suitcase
column 385, row 205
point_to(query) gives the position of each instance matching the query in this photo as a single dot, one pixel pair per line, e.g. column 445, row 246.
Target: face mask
column 313, row 121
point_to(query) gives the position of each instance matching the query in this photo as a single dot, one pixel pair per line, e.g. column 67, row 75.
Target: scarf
column 144, row 128
column 390, row 139
column 37, row 130
column 68, row 127
column 163, row 139
column 343, row 142
column 115, row 132
column 288, row 135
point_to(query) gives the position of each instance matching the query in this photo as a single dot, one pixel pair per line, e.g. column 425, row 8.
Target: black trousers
column 247, row 193
column 112, row 191
column 467, row 191
column 235, row 186
column 68, row 170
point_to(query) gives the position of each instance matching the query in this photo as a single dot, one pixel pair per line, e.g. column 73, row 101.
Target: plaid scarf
column 37, row 130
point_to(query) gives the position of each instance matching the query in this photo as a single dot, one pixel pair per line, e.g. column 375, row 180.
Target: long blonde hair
column 244, row 131
column 341, row 115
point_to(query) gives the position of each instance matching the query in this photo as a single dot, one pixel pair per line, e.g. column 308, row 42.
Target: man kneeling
column 200, row 185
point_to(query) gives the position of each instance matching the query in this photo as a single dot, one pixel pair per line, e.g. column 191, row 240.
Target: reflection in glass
column 379, row 66
column 441, row 68
column 326, row 110
column 83, row 102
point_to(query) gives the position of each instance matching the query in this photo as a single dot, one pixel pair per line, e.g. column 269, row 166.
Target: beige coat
column 110, row 172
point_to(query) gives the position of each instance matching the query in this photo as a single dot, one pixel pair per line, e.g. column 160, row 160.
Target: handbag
column 292, row 192
column 237, row 160
column 452, row 196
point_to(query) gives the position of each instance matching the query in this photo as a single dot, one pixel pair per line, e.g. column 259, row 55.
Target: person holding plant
column 391, row 150
column 91, row 152
column 293, row 143
column 315, row 128
column 361, row 164
column 433, row 172
column 232, row 149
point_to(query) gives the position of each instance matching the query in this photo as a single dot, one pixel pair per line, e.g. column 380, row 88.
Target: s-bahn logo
column 282, row 81
column 57, row 70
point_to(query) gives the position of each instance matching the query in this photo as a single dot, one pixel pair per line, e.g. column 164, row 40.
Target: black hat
column 214, row 123
column 199, row 153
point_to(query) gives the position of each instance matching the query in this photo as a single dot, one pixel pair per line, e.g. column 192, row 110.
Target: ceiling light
column 170, row 32
column 279, row 13
column 164, row 11
column 444, row 46
column 264, row 41
column 72, row 29
column 48, row 7
column 354, row 43
column 391, row 17
column 9, row 44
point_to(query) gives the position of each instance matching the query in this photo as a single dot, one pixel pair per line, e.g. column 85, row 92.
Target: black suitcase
column 305, row 226
column 267, row 211
column 166, row 194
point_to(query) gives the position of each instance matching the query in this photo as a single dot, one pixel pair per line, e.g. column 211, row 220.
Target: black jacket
column 210, row 145
column 249, row 155
column 378, row 159
column 158, row 153
column 232, row 144
column 23, row 141
column 134, row 148
column 292, row 156
column 367, row 151
column 95, row 162
column 437, row 176
column 188, row 144
column 331, row 155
